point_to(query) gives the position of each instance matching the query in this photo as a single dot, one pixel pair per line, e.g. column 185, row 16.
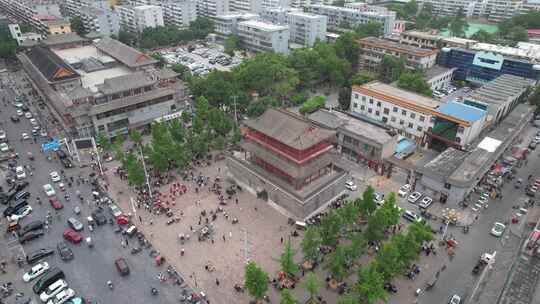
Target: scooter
column 110, row 285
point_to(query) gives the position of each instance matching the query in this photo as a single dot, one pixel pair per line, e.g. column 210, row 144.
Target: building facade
column 483, row 65
column 102, row 21
column 23, row 38
column 137, row 18
column 261, row 36
column 340, row 16
column 492, row 10
column 439, row 77
column 179, row 13
column 305, row 28
column 42, row 15
column 372, row 51
column 226, row 25
column 212, row 8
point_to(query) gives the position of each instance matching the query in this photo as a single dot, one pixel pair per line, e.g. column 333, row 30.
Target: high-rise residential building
column 245, row 6
column 226, row 25
column 212, row 8
column 103, row 21
column 179, row 13
column 262, row 36
column 305, row 28
column 339, row 17
column 137, row 18
column 493, row 10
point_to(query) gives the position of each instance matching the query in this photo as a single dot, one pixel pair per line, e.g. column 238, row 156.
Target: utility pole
column 97, row 155
column 146, row 173
column 234, row 103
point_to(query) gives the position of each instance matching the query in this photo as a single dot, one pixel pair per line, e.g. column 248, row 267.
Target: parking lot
column 87, row 274
column 201, row 59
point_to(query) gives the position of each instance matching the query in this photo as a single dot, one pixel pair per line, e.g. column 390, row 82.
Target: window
column 385, row 119
column 447, row 186
column 355, row 95
column 378, row 103
column 362, row 108
column 394, row 109
column 419, row 129
column 393, row 119
column 386, row 110
column 355, row 105
column 371, row 101
column 377, row 113
column 401, row 122
column 403, row 112
column 369, row 110
column 411, row 125
column 422, row 118
column 460, row 129
column 413, row 115
column 363, row 98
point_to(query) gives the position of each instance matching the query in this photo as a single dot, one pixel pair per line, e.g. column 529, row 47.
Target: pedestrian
column 224, row 238
column 237, row 201
column 182, row 252
column 140, row 219
column 281, row 240
column 127, row 242
column 217, row 282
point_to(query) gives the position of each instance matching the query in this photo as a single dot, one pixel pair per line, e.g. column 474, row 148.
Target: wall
column 253, row 182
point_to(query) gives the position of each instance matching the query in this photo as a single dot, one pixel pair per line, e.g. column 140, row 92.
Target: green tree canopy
column 458, row 24
column 232, row 43
column 336, row 263
column 484, row 36
column 391, row 68
column 311, row 285
column 330, row 229
column 288, row 266
column 366, row 204
column 347, row 48
column 370, row 286
column 311, row 243
column 414, row 82
column 256, row 280
column 363, row 77
column 183, row 71
column 219, row 122
column 77, row 25
column 287, row 297
column 135, row 170
column 371, row 29
column 313, row 104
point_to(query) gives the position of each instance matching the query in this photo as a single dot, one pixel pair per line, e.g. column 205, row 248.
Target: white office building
column 259, row 36
column 137, row 18
column 340, row 16
column 305, row 28
column 212, row 8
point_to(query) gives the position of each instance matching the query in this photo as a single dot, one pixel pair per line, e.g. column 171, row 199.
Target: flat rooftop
column 462, row 111
column 445, row 163
column 436, row 70
column 263, row 26
column 501, row 89
column 527, row 51
column 398, row 94
column 396, row 46
column 91, row 80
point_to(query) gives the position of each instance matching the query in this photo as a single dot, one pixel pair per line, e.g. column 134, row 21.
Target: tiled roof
column 125, row 82
column 123, row 53
column 50, row 65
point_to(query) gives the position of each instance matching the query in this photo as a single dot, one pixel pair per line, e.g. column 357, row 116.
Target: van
column 47, row 279
column 122, row 266
column 300, row 225
column 131, row 231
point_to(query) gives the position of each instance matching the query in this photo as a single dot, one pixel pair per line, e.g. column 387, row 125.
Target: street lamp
column 146, row 173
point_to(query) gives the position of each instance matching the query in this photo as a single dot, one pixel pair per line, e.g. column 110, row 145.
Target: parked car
column 49, row 190
column 31, row 235
column 21, row 213
column 55, row 177
column 55, row 203
column 62, row 296
column 498, row 229
column 66, row 163
column 72, row 236
column 121, row 266
column 455, row 299
column 411, row 216
column 15, row 118
column 350, row 185
column 414, row 197
column 64, row 251
column 36, row 271
column 4, row 147
column 99, row 217
column 404, row 190
column 425, row 203
column 38, row 255
column 115, row 210
column 53, row 289
column 35, row 225
column 20, row 173
column 50, row 277
column 75, row 224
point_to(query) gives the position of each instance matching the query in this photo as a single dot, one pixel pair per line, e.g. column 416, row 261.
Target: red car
column 55, row 203
column 122, row 220
column 72, row 236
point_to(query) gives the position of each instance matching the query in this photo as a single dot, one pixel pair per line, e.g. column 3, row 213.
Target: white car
column 53, row 290
column 115, row 211
column 20, row 113
column 425, row 203
column 350, row 185
column 33, row 121
column 49, row 190
column 55, row 177
column 20, row 173
column 28, row 115
column 62, row 296
column 35, row 271
column 3, row 135
column 4, row 147
column 498, row 229
column 404, row 190
column 414, row 197
column 18, row 105
column 24, row 211
column 455, row 299
column 25, row 136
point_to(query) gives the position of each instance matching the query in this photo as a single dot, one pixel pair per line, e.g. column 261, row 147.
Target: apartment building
column 212, row 8
column 341, row 16
column 432, row 40
column 69, row 7
column 245, row 6
column 372, row 51
column 105, row 22
column 226, row 25
column 104, row 87
column 179, row 13
column 23, row 38
column 137, row 18
column 40, row 14
column 259, row 36
column 305, row 28
column 493, row 10
column 425, row 120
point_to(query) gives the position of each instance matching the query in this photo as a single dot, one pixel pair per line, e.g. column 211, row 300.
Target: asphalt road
column 457, row 278
column 88, row 273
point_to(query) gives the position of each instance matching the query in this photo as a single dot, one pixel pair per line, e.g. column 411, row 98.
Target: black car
column 532, row 145
column 35, row 225
column 65, row 252
column 15, row 118
column 18, row 187
column 66, row 163
column 99, row 217
column 31, row 235
column 37, row 255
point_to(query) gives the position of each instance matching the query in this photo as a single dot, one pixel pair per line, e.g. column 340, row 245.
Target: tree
column 202, row 108
column 414, row 82
column 311, row 285
column 288, row 266
column 370, row 286
column 183, row 71
column 237, row 135
column 483, row 36
column 363, row 78
column 219, row 122
column 332, row 68
column 8, row 48
column 126, row 37
column 371, row 29
column 425, row 16
column 367, row 205
column 347, row 299
column 344, row 98
column 336, row 263
column 135, row 136
column 176, row 131
column 382, row 218
column 330, row 228
column 389, row 262
column 312, row 105
column 347, row 48
column 340, row 3
column 458, row 25
column 201, row 27
column 135, row 170
column 410, row 9
column 391, row 68
column 304, row 61
column 534, row 98
column 256, row 280
column 219, row 143
column 348, row 213
column 287, row 297
column 310, row 244
column 517, row 34
column 77, row 25
column 232, row 43
column 103, row 142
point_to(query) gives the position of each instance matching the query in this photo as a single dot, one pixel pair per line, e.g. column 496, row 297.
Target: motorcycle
column 136, row 250
column 110, row 285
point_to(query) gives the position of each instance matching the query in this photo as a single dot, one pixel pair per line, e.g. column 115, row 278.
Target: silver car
column 75, row 224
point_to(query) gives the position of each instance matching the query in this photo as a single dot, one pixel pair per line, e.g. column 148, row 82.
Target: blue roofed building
column 456, row 125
